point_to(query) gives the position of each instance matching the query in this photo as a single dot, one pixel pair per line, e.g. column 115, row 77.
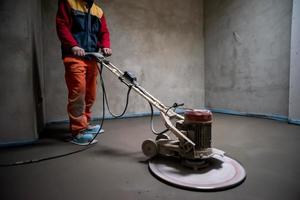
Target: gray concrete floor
column 115, row 168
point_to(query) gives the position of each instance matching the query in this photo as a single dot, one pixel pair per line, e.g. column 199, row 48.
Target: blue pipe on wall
column 145, row 114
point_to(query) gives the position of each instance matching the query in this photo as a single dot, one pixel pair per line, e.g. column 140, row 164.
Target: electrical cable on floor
column 25, row 162
column 104, row 102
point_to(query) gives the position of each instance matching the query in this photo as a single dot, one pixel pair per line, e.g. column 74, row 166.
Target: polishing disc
column 219, row 173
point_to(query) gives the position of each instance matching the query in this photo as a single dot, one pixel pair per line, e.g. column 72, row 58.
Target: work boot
column 94, row 129
column 83, row 139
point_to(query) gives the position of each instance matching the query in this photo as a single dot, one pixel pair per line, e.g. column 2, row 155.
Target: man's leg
column 75, row 75
column 91, row 87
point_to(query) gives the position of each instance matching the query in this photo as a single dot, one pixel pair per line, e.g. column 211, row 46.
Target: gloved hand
column 77, row 51
column 106, row 51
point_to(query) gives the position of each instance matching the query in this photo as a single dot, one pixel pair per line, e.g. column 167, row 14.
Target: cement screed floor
column 115, row 168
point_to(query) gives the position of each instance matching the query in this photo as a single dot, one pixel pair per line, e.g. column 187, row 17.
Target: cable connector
column 130, row 77
column 176, row 105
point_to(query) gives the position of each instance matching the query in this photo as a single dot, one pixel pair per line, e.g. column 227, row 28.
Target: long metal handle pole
column 165, row 112
column 135, row 88
column 144, row 93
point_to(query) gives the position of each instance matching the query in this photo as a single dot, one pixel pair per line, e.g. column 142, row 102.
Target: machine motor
column 197, row 127
column 197, row 124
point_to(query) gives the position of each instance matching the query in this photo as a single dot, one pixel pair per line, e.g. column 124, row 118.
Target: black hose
column 151, row 123
column 26, row 162
column 104, row 102
column 105, row 94
column 126, row 104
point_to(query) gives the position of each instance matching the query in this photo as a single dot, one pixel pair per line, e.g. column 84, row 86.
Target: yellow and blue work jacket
column 78, row 24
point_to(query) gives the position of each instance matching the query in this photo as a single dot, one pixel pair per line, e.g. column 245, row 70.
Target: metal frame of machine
column 183, row 146
column 188, row 161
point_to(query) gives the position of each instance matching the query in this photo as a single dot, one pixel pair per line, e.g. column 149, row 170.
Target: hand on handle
column 77, row 51
column 106, row 51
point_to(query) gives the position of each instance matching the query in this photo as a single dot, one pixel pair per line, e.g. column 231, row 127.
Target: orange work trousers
column 81, row 80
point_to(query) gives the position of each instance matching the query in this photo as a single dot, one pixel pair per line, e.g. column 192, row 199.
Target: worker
column 81, row 28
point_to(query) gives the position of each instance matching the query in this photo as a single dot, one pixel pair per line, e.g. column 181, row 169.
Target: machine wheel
column 149, row 148
column 162, row 136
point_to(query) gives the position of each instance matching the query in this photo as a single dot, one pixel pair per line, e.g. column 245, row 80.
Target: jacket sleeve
column 104, row 36
column 63, row 25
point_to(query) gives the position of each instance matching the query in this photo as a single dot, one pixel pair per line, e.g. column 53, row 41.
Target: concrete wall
column 294, row 103
column 17, row 79
column 160, row 41
column 247, row 55
column 38, row 64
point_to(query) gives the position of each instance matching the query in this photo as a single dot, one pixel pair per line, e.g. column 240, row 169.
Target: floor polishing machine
column 185, row 157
